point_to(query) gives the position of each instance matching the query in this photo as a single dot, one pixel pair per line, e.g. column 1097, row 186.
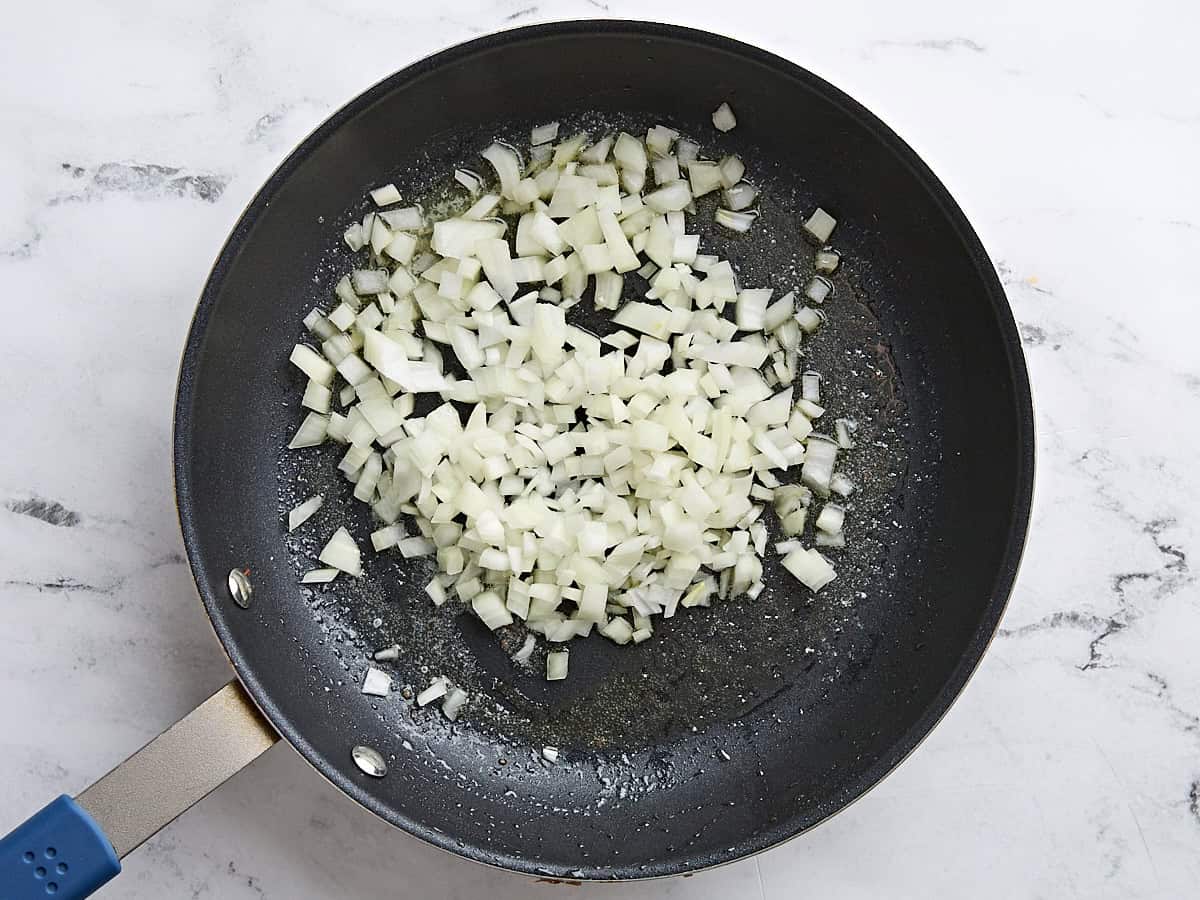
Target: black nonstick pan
column 736, row 727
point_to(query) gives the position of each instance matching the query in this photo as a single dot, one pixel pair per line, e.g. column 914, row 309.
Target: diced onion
column 740, row 197
column 455, row 700
column 377, row 683
column 571, row 482
column 342, row 553
column 312, row 364
column 818, row 290
column 820, row 225
column 735, row 221
column 544, row 134
column 304, row 511
column 827, row 261
column 469, row 180
column 410, row 218
column 386, row 195
column 844, row 430
column 556, row 665
column 436, row 690
column 522, row 655
column 841, row 485
column 416, row 546
column 312, row 431
column 319, row 576
column 369, row 281
column 751, row 309
column 491, row 610
column 819, row 458
column 810, row 568
column 507, row 165
column 810, row 387
column 723, row 118
column 831, row 518
column 672, row 196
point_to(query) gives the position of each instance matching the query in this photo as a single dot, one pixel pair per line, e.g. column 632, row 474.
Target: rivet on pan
column 240, row 588
column 369, row 760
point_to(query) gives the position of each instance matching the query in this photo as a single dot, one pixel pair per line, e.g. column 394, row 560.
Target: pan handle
column 70, row 848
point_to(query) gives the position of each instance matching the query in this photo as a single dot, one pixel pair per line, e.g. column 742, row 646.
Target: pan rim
column 1003, row 581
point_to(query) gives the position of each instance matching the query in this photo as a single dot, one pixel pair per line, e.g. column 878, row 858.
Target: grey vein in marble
column 49, row 511
column 943, row 44
column 144, row 179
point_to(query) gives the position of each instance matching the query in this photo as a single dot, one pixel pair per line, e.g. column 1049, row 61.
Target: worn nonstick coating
column 736, row 727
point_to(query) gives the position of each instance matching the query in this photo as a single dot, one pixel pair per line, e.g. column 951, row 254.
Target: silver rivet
column 369, row 760
column 240, row 588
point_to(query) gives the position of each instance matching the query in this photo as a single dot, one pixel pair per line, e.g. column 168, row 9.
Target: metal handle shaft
column 201, row 751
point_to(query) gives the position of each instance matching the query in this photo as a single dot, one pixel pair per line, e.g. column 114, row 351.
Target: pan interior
column 735, row 726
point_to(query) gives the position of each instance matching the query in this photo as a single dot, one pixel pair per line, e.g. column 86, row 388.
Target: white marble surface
column 1068, row 131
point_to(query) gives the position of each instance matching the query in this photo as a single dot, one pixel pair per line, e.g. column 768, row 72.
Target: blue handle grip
column 57, row 852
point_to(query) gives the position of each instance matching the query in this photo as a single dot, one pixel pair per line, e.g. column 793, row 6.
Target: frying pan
column 736, row 727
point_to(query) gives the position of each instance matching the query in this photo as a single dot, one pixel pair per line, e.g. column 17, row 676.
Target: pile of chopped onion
column 569, row 481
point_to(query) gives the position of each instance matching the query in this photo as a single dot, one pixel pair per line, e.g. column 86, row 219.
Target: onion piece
column 827, row 261
column 808, row 319
column 831, row 518
column 312, row 431
column 659, row 138
column 491, row 610
column 598, row 152
column 824, row 539
column 686, row 151
column 820, row 455
column 820, row 225
column 609, row 286
column 618, row 631
column 818, row 289
column 526, row 651
column 735, row 221
column 672, row 196
column 318, row 576
column 844, row 430
column 387, row 537
column 354, row 237
column 409, row 218
column 377, row 683
column 454, row 702
column 703, row 177
column 841, row 485
column 436, row 690
column 416, row 546
column 723, row 118
column 810, row 568
column 308, row 361
column 544, row 134
column 810, row 386
column 751, row 309
column 556, row 665
column 304, row 511
column 386, row 195
column 740, row 197
column 342, row 553
column 507, row 165
column 732, row 169
column 469, row 180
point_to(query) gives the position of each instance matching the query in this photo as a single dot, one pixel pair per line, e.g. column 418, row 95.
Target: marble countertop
column 135, row 133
